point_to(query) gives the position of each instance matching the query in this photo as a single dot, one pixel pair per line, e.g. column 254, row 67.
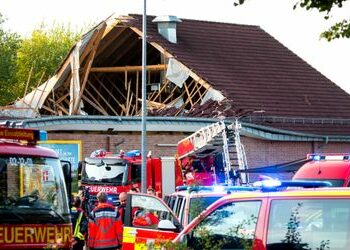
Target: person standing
column 80, row 225
column 105, row 229
column 122, row 205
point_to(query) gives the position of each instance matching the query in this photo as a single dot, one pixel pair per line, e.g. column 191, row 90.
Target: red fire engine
column 34, row 210
column 114, row 174
column 213, row 155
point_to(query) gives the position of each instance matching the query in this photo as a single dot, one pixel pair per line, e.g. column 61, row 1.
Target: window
column 198, row 204
column 148, row 211
column 231, row 226
column 309, row 224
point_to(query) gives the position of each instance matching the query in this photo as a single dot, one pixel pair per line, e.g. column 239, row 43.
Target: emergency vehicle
column 312, row 218
column 213, row 155
column 34, row 209
column 114, row 174
column 188, row 201
column 334, row 168
column 151, row 222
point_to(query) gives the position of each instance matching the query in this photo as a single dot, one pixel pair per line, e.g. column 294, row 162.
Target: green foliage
column 9, row 44
column 41, row 54
column 338, row 30
column 33, row 59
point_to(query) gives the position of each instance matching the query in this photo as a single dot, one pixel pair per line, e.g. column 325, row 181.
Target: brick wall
column 259, row 152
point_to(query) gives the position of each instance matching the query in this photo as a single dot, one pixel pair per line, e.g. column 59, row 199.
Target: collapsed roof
column 210, row 69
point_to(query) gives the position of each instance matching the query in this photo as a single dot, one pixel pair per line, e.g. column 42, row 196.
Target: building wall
column 259, row 152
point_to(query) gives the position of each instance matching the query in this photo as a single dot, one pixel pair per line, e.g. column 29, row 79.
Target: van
column 334, row 168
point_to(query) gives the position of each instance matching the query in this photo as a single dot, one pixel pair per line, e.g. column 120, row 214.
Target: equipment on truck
column 34, row 204
column 114, row 174
column 213, row 155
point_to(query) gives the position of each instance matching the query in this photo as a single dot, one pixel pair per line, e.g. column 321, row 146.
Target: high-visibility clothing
column 77, row 233
column 105, row 229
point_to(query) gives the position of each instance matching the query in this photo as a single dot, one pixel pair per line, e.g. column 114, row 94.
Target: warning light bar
column 215, row 188
column 20, row 134
column 328, row 157
column 275, row 185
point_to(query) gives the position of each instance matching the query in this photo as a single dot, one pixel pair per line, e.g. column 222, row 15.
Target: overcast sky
column 297, row 29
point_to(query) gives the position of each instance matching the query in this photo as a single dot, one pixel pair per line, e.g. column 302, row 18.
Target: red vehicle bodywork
column 264, row 215
column 132, row 176
column 142, row 236
column 327, row 167
column 21, row 223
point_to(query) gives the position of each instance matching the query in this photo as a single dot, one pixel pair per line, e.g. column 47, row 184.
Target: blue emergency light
column 133, row 153
column 215, row 188
column 274, row 185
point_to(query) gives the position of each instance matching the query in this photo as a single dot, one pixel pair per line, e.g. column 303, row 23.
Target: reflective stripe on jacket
column 105, row 229
column 77, row 233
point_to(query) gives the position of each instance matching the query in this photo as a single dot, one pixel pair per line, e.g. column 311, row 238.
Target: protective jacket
column 105, row 229
column 80, row 224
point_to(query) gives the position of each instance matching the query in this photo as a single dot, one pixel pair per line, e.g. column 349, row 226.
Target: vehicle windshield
column 32, row 190
column 104, row 171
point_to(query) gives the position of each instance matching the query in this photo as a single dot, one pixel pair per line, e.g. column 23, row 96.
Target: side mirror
column 166, row 225
column 80, row 169
column 67, row 172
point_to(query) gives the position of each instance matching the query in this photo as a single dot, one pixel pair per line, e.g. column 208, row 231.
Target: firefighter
column 105, row 229
column 151, row 191
column 145, row 218
column 121, row 207
column 80, row 224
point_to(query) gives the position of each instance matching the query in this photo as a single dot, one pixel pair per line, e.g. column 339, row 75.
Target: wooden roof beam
column 158, row 67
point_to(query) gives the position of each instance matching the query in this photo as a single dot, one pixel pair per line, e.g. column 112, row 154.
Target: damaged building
column 198, row 72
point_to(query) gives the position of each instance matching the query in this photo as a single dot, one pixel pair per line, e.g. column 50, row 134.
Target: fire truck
column 113, row 174
column 213, row 155
column 34, row 208
column 334, row 168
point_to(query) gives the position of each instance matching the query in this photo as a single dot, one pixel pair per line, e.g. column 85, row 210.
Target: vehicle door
column 231, row 225
column 149, row 222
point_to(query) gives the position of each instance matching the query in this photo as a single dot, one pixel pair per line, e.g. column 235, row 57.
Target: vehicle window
column 32, row 190
column 231, row 226
column 170, row 201
column 136, row 173
column 148, row 211
column 309, row 224
column 197, row 205
column 180, row 208
column 104, row 171
column 177, row 206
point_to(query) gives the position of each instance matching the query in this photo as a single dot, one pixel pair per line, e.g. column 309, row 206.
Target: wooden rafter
column 110, row 94
column 118, row 90
column 101, row 96
column 109, row 41
column 96, row 103
column 124, row 48
column 88, row 67
column 128, row 68
column 160, row 91
column 98, row 108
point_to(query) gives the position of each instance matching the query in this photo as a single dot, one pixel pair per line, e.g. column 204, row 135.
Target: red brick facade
column 259, row 152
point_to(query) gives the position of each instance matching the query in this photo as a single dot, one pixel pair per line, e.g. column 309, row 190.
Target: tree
column 338, row 30
column 9, row 44
column 41, row 54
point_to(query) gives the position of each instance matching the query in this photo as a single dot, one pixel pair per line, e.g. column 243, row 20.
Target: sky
column 298, row 29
